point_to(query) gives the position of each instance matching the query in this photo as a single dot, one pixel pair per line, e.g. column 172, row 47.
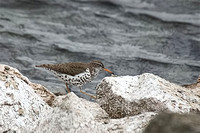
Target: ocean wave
column 193, row 19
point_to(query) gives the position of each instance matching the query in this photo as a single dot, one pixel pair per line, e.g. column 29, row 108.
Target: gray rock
column 174, row 123
column 132, row 95
column 73, row 114
column 27, row 107
column 24, row 108
column 20, row 107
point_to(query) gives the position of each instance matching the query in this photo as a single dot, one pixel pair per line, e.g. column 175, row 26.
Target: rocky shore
column 128, row 104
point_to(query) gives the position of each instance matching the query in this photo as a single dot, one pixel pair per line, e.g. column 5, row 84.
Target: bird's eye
column 100, row 65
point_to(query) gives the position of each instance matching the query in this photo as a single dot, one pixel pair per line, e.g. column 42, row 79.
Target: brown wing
column 67, row 68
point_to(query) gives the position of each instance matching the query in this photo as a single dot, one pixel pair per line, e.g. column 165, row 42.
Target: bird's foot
column 92, row 96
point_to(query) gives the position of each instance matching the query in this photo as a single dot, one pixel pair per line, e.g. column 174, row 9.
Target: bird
column 76, row 73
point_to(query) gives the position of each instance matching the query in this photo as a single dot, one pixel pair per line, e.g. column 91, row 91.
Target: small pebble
column 6, row 68
column 20, row 111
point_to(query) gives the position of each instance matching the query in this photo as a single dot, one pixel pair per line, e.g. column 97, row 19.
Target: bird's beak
column 107, row 70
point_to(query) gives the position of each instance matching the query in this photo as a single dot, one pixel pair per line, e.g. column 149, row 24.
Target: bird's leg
column 94, row 97
column 67, row 88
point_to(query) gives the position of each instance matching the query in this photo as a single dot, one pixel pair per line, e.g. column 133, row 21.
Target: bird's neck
column 95, row 72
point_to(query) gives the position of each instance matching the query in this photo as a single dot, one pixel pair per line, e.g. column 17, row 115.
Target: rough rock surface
column 46, row 95
column 128, row 95
column 73, row 114
column 76, row 115
column 23, row 109
column 20, row 107
column 133, row 124
column 174, row 123
column 194, row 87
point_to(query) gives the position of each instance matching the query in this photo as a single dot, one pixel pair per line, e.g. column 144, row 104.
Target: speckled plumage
column 76, row 80
column 76, row 73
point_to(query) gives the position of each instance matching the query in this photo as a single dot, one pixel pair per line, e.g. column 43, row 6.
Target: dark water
column 129, row 37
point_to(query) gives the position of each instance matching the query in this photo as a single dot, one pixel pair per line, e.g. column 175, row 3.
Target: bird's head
column 99, row 65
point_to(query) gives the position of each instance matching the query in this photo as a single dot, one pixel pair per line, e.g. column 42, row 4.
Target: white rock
column 131, row 95
column 20, row 107
column 137, row 99
column 76, row 115
column 73, row 114
column 133, row 124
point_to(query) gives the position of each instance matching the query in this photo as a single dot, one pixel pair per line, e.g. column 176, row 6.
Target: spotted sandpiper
column 76, row 73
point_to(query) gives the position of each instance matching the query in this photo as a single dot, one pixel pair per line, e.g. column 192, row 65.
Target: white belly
column 76, row 80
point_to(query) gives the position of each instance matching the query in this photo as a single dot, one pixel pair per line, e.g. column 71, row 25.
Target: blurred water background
column 130, row 37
